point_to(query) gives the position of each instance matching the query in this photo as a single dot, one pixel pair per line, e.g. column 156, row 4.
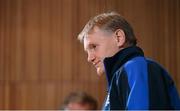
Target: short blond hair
column 110, row 21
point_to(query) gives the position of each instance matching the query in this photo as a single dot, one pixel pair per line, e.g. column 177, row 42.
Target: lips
column 96, row 64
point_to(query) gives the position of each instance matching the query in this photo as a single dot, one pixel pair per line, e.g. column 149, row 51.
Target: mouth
column 96, row 64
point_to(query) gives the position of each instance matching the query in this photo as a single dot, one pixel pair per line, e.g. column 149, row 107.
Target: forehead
column 97, row 35
column 78, row 106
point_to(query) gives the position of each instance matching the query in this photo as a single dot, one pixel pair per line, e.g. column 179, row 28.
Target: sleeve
column 175, row 100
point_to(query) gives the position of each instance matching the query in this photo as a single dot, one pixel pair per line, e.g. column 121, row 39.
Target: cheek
column 111, row 50
column 106, row 51
column 102, row 54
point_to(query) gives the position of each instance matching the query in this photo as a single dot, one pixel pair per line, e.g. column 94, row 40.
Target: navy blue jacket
column 135, row 82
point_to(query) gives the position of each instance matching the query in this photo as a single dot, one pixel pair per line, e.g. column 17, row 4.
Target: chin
column 100, row 71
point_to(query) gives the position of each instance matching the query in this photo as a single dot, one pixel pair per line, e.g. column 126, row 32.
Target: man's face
column 100, row 44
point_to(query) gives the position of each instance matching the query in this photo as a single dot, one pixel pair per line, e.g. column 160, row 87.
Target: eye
column 94, row 46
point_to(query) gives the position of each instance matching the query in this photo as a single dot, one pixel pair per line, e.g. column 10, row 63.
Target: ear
column 120, row 37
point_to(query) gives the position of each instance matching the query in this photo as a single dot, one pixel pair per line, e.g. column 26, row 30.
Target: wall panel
column 41, row 60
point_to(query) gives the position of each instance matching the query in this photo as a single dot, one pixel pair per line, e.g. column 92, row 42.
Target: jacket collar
column 112, row 64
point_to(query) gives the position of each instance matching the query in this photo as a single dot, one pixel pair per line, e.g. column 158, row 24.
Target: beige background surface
column 41, row 61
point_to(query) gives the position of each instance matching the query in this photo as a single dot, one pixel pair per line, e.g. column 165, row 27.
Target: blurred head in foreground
column 79, row 101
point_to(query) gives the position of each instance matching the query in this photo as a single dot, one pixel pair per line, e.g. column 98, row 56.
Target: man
column 79, row 101
column 134, row 82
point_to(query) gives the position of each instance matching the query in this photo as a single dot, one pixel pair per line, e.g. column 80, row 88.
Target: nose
column 91, row 57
